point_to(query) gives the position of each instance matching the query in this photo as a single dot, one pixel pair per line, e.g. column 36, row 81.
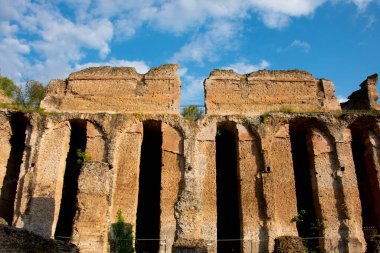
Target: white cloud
column 244, row 68
column 57, row 41
column 301, row 44
column 192, row 90
column 342, row 99
column 207, row 45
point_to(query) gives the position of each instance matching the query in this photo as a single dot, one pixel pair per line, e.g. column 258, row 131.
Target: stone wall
column 230, row 93
column 107, row 89
column 365, row 98
column 188, row 199
column 267, row 192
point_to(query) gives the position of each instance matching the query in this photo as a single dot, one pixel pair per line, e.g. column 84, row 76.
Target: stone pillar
column 5, row 136
column 346, row 174
column 195, row 210
column 49, row 168
column 95, row 143
column 24, row 185
column 252, row 203
column 126, row 166
column 91, row 220
column 327, row 190
column 373, row 151
column 172, row 166
column 279, row 183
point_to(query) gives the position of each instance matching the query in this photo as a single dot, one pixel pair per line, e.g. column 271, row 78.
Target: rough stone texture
column 172, row 168
column 122, row 89
column 188, row 197
column 365, row 98
column 230, row 93
column 49, row 171
column 91, row 222
column 281, row 201
column 15, row 240
column 5, row 135
column 126, row 165
column 289, row 244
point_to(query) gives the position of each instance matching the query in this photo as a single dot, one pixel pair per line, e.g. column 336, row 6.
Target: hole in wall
column 227, row 188
column 303, row 179
column 18, row 124
column 148, row 208
column 68, row 206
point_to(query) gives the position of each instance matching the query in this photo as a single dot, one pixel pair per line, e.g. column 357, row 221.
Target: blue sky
column 334, row 39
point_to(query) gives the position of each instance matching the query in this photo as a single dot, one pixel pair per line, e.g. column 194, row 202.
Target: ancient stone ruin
column 275, row 155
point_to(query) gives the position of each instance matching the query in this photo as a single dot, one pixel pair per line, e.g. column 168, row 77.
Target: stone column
column 5, row 135
column 327, row 190
column 195, row 210
column 346, row 174
column 172, row 165
column 253, row 211
column 27, row 169
column 49, row 168
column 278, row 183
column 91, row 220
column 126, row 166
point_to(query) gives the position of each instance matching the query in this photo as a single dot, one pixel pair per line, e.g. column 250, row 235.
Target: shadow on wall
column 45, row 207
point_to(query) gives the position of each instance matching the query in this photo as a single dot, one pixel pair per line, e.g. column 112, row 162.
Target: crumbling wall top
column 365, row 98
column 228, row 92
column 116, row 89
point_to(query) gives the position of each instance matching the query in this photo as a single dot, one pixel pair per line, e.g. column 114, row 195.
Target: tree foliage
column 31, row 94
column 28, row 96
column 192, row 112
column 7, row 85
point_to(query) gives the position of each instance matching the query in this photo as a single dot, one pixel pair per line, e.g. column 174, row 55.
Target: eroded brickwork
column 340, row 151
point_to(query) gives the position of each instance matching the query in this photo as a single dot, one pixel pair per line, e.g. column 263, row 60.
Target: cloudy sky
column 335, row 39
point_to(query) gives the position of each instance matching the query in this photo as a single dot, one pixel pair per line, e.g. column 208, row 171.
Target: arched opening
column 302, row 155
column 365, row 159
column 68, row 206
column 148, row 208
column 18, row 124
column 227, row 188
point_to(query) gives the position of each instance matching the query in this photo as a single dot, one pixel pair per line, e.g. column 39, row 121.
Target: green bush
column 31, row 95
column 7, row 85
column 27, row 97
column 192, row 112
column 122, row 241
column 82, row 157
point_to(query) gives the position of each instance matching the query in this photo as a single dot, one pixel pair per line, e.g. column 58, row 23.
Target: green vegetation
column 30, row 95
column 82, row 157
column 122, row 240
column 27, row 97
column 192, row 112
column 264, row 117
column 299, row 217
column 7, row 85
column 315, row 228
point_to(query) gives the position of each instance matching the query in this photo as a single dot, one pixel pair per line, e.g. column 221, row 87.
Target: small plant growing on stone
column 264, row 117
column 122, row 241
column 192, row 112
column 82, row 157
column 299, row 217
